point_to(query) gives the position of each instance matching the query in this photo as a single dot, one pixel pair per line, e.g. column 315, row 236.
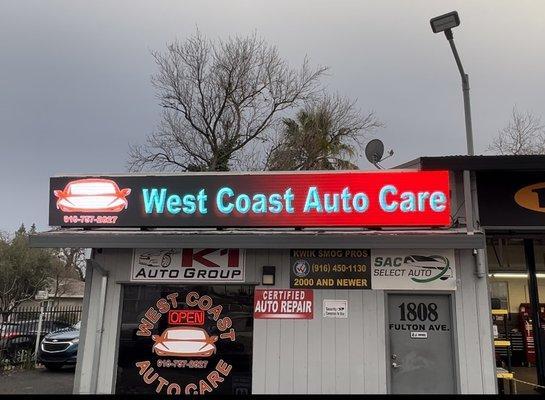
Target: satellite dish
column 374, row 151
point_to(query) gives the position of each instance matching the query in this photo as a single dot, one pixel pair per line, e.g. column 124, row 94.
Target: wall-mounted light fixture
column 512, row 275
column 268, row 277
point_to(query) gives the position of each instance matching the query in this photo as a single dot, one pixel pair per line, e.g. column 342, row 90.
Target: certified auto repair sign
column 283, row 304
column 188, row 265
column 413, row 269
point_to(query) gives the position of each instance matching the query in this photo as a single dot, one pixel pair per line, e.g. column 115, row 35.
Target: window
column 500, row 290
column 236, row 303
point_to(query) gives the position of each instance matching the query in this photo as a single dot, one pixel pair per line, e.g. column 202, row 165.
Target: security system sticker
column 335, row 308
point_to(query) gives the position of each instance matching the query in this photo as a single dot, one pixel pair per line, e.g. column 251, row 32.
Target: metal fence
column 19, row 332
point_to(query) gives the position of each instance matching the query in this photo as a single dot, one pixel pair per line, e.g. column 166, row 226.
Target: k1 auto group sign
column 302, row 199
column 188, row 265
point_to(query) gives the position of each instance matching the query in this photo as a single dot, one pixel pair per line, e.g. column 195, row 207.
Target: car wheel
column 165, row 261
column 53, row 367
column 21, row 355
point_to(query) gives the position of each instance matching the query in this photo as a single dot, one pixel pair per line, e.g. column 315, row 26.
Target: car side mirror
column 125, row 192
column 154, row 337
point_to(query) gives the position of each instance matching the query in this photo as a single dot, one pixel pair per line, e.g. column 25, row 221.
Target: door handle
column 395, row 365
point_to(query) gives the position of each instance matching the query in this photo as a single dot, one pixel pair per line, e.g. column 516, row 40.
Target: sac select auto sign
column 302, row 199
column 431, row 269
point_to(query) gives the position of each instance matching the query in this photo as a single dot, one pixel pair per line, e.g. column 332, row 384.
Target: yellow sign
column 532, row 197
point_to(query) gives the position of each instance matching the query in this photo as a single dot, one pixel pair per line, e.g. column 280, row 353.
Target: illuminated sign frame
column 301, row 199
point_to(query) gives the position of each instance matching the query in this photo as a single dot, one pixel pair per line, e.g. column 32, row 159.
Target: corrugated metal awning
column 478, row 163
column 258, row 238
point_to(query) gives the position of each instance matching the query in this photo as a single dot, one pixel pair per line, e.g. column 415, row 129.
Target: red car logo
column 92, row 195
column 184, row 342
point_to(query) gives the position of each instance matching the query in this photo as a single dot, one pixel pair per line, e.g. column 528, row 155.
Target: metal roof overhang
column 259, row 239
column 478, row 163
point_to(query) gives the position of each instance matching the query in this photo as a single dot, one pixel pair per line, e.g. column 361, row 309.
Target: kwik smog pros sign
column 303, row 199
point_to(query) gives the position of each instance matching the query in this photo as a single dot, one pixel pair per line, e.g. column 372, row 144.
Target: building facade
column 393, row 299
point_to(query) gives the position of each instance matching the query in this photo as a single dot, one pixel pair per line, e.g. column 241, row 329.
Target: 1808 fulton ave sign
column 302, row 199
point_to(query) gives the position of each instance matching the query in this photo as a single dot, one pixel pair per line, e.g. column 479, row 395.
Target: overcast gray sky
column 75, row 75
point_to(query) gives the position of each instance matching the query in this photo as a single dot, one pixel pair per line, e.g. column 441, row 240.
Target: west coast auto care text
column 227, row 201
column 201, row 386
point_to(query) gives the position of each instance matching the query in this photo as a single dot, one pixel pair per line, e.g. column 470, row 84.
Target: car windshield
column 92, row 188
column 186, row 335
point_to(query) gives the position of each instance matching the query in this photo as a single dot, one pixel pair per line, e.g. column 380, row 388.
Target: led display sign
column 302, row 199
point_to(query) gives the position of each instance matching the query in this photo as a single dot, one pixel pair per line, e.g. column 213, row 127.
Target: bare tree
column 61, row 281
column 73, row 260
column 524, row 134
column 218, row 97
column 326, row 135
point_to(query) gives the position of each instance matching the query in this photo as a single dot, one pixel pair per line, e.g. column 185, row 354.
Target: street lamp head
column 445, row 22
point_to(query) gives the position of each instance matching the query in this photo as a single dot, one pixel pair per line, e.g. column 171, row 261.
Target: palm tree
column 325, row 135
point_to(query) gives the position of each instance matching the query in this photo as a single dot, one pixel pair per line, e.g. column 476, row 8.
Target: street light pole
column 445, row 23
column 465, row 91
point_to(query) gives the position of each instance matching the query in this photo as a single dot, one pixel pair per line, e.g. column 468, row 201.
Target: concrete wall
column 315, row 356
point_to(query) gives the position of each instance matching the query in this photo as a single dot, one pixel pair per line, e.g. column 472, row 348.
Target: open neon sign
column 186, row 317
